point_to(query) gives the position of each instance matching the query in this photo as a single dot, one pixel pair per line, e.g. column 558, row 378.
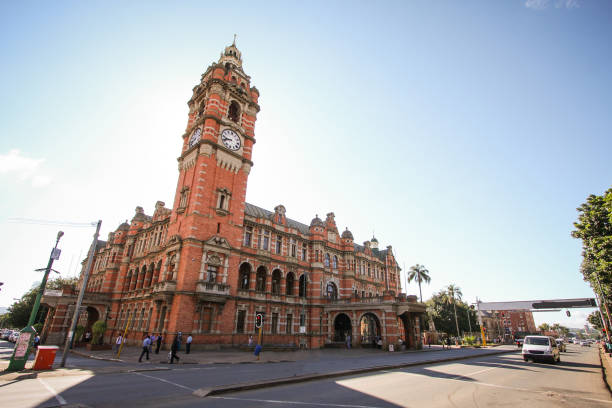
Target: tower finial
column 234, row 43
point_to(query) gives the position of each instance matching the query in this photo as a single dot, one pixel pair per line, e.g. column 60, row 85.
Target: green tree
column 544, row 327
column 594, row 228
column 442, row 314
column 453, row 292
column 595, row 319
column 420, row 274
column 98, row 330
column 19, row 312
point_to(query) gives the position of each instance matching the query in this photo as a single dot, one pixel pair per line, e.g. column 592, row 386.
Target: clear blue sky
column 465, row 134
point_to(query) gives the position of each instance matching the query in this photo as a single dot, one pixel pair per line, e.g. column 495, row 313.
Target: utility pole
column 482, row 332
column 602, row 299
column 75, row 316
column 23, row 344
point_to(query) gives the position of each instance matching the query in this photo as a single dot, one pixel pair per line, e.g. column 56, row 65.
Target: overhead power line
column 19, row 220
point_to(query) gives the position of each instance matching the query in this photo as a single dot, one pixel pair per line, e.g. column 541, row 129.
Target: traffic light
column 258, row 320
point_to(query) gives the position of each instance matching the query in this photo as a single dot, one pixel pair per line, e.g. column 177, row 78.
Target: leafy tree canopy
column 440, row 310
column 19, row 312
column 594, row 228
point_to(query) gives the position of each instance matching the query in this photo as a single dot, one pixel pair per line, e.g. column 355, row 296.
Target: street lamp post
column 23, row 344
column 81, row 293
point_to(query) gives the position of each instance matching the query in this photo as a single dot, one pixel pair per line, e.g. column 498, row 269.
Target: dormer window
column 234, row 112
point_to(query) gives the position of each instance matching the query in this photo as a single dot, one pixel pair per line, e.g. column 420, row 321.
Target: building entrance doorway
column 342, row 327
column 369, row 329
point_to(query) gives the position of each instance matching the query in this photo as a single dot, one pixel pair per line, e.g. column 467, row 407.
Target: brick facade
column 208, row 264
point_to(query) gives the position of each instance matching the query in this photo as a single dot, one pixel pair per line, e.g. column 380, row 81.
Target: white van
column 541, row 348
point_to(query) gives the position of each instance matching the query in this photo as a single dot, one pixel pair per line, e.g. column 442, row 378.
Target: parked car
column 14, row 336
column 4, row 335
column 540, row 348
column 585, row 343
column 561, row 345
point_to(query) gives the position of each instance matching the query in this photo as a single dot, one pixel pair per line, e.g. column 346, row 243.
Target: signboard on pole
column 55, row 253
column 21, row 347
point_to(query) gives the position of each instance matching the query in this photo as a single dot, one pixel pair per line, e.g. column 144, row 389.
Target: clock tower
column 214, row 165
column 216, row 155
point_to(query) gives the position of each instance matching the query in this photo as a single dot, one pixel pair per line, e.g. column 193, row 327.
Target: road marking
column 166, row 381
column 58, row 397
column 318, row 404
column 475, row 372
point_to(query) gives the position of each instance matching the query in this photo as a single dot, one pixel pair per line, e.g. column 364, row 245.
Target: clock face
column 195, row 137
column 230, row 139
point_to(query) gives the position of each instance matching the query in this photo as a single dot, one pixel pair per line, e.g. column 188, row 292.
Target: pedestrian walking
column 152, row 338
column 159, row 341
column 188, row 344
column 118, row 342
column 146, row 343
column 250, row 341
column 348, row 341
column 448, row 342
column 173, row 350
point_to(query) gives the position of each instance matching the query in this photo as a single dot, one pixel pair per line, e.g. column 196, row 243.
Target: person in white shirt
column 118, row 342
column 188, row 346
column 145, row 348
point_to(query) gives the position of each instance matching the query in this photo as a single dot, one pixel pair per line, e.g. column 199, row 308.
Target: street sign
column 55, row 254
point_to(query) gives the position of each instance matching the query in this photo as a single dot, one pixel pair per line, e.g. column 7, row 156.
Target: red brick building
column 508, row 323
column 207, row 265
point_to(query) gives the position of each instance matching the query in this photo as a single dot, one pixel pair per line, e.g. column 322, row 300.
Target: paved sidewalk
column 130, row 354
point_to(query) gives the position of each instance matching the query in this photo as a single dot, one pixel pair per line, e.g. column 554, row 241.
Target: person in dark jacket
column 173, row 350
column 159, row 341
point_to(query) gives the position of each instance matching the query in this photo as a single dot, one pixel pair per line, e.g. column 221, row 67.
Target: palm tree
column 544, row 327
column 420, row 274
column 555, row 327
column 453, row 290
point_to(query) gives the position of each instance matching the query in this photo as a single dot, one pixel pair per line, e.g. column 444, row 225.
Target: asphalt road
column 479, row 382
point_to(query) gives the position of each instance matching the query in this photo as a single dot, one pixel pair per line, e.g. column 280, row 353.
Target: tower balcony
column 165, row 287
column 213, row 291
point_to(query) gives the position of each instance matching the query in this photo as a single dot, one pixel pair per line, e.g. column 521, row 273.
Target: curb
column 224, row 389
column 78, row 353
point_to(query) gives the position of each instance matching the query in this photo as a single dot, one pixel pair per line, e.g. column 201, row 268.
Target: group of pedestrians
column 156, row 340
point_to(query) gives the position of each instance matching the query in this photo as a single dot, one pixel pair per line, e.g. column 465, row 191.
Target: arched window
column 332, row 291
column 244, row 276
column 171, row 266
column 234, row 112
column 156, row 273
column 289, row 283
column 126, row 284
column 149, row 275
column 260, row 284
column 141, row 277
column 335, row 262
column 276, row 282
column 303, row 285
column 212, row 273
column 326, row 260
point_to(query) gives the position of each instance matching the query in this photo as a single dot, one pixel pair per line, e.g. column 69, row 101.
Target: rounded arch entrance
column 342, row 327
column 369, row 329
